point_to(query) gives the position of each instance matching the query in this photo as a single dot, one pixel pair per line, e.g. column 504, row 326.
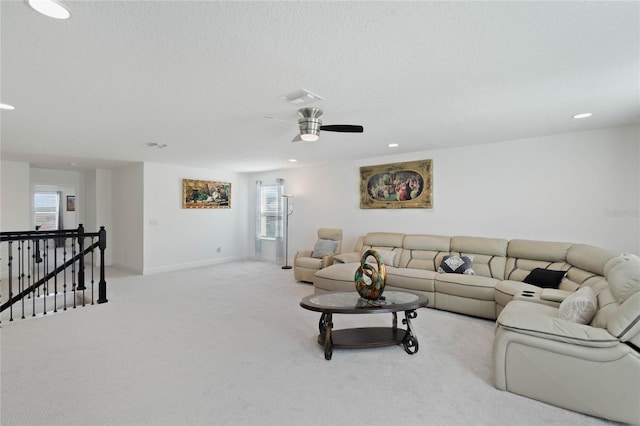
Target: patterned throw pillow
column 579, row 307
column 456, row 265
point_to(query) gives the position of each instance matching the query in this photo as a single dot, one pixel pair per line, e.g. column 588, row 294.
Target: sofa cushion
column 424, row 251
column 347, row 257
column 624, row 279
column 545, row 278
column 488, row 254
column 579, row 307
column 589, row 258
column 337, row 277
column 388, row 257
column 456, row 265
column 468, row 286
column 383, row 239
column 323, row 248
column 411, row 279
column 547, row 251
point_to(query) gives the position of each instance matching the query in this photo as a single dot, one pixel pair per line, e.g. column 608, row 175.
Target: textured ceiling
column 201, row 77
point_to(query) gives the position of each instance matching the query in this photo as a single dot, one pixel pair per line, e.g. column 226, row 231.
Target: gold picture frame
column 397, row 185
column 205, row 194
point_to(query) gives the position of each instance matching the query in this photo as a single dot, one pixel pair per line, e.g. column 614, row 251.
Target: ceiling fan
column 310, row 125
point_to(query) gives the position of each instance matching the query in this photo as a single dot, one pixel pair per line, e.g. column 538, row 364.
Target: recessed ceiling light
column 583, row 115
column 292, row 160
column 50, row 8
column 393, row 145
column 7, row 106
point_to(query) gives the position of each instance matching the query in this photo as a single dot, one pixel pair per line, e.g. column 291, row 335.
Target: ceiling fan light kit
column 310, row 125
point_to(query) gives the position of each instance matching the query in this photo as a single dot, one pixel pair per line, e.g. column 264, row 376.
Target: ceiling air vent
column 301, row 97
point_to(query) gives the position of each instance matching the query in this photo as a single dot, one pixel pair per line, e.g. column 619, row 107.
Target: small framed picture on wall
column 71, row 203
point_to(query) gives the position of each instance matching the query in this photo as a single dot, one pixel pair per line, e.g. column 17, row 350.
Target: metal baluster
column 10, row 249
column 21, row 273
column 55, row 279
column 45, row 286
column 32, row 274
column 64, row 275
column 93, row 267
column 73, row 270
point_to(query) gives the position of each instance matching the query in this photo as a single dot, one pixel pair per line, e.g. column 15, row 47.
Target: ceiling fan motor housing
column 309, row 123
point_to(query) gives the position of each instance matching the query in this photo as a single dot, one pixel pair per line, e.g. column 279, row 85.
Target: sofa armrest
column 347, row 257
column 542, row 321
column 327, row 260
column 303, row 253
column 554, row 295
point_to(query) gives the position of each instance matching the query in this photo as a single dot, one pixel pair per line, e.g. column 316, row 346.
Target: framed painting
column 397, row 186
column 71, row 203
column 205, row 194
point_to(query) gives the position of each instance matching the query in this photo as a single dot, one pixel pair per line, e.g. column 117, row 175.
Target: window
column 46, row 205
column 270, row 211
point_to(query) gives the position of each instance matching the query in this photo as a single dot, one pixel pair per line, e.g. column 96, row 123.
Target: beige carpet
column 230, row 345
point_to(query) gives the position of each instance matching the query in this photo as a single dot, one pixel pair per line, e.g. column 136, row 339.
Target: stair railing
column 32, row 274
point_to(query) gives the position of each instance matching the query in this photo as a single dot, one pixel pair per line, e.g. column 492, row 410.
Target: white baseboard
column 190, row 265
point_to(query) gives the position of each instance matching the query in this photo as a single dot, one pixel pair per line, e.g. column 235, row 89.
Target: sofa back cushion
column 385, row 242
column 489, row 254
column 424, row 251
column 587, row 267
column 589, row 258
column 623, row 320
column 526, row 255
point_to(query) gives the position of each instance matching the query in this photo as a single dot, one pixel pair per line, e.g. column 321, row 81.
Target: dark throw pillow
column 456, row 265
column 545, row 278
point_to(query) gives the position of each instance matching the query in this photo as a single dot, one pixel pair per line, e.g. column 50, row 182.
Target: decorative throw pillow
column 388, row 257
column 580, row 306
column 456, row 265
column 323, row 248
column 545, row 278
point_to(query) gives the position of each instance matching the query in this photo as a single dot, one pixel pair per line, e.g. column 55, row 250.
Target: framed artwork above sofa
column 397, row 185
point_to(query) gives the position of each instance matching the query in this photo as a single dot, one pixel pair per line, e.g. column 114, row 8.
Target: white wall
column 98, row 206
column 177, row 238
column 579, row 187
column 15, row 201
column 127, row 237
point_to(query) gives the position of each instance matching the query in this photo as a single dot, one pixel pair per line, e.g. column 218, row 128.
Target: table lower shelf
column 366, row 337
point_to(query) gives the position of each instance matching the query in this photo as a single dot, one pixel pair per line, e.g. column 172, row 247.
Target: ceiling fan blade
column 297, row 139
column 346, row 128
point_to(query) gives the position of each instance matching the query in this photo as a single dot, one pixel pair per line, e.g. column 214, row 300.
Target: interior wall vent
column 301, row 97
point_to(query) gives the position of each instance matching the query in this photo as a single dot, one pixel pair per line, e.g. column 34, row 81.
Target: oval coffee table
column 350, row 302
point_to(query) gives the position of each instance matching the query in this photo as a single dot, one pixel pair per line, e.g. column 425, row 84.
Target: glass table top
column 351, row 302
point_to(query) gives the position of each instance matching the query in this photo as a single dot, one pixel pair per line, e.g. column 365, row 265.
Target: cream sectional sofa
column 592, row 368
column 500, row 266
